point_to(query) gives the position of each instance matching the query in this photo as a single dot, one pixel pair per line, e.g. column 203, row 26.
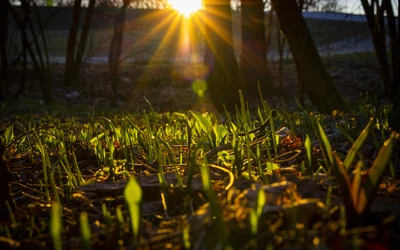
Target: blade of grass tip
column 274, row 137
column 348, row 137
column 261, row 200
column 308, row 146
column 344, row 185
column 152, row 113
column 117, row 132
column 356, row 184
column 324, row 142
column 376, row 173
column 56, row 225
column 357, row 144
column 120, row 221
column 9, row 134
column 133, row 197
column 243, row 112
column 85, row 231
column 258, row 156
column 44, row 165
column 204, row 123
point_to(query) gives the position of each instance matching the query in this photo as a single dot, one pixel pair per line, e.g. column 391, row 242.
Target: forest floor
column 315, row 222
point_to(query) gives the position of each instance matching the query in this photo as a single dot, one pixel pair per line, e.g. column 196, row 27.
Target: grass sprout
column 133, row 198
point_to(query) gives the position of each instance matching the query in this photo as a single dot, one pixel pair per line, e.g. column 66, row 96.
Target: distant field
column 142, row 39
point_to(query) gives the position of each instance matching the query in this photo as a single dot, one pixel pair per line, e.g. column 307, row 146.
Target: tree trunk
column 253, row 60
column 3, row 48
column 83, row 39
column 314, row 77
column 394, row 88
column 71, row 43
column 223, row 80
column 376, row 25
column 116, row 49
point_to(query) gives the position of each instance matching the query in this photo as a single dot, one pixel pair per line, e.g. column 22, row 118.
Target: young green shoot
column 133, row 198
column 56, row 225
column 85, row 231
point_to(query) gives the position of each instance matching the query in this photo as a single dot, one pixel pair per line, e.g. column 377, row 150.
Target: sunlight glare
column 186, row 7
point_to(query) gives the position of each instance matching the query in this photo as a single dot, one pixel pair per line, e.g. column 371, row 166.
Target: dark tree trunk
column 394, row 90
column 253, row 60
column 223, row 80
column 24, row 59
column 116, row 49
column 71, row 43
column 76, row 45
column 376, row 26
column 83, row 39
column 3, row 48
column 314, row 77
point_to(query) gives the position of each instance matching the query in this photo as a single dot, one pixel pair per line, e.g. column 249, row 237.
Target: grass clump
column 194, row 180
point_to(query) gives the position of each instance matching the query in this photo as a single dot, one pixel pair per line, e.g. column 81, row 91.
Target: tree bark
column 377, row 29
column 315, row 79
column 3, row 48
column 253, row 59
column 116, row 49
column 83, row 39
column 223, row 80
column 71, row 43
column 394, row 88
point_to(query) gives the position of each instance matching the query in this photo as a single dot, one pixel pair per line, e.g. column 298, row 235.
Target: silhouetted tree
column 3, row 48
column 315, row 79
column 116, row 47
column 223, row 80
column 253, row 60
column 74, row 55
column 377, row 13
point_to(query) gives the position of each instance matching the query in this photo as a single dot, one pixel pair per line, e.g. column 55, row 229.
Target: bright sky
column 353, row 6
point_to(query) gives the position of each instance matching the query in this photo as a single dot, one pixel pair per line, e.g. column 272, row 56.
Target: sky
column 352, row 6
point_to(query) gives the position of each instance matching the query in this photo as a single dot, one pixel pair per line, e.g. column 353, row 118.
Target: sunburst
column 186, row 7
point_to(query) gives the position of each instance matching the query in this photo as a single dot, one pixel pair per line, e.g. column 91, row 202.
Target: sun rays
column 186, row 7
column 179, row 35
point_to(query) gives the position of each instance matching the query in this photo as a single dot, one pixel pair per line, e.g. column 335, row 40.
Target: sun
column 186, row 7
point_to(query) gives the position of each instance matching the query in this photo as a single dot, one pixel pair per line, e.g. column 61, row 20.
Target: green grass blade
column 133, row 197
column 85, row 231
column 356, row 185
column 357, row 145
column 55, row 225
column 203, row 121
column 9, row 135
column 376, row 172
column 324, row 142
column 344, row 184
column 308, row 146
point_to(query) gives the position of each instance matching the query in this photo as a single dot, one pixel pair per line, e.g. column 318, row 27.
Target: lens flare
column 199, row 87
